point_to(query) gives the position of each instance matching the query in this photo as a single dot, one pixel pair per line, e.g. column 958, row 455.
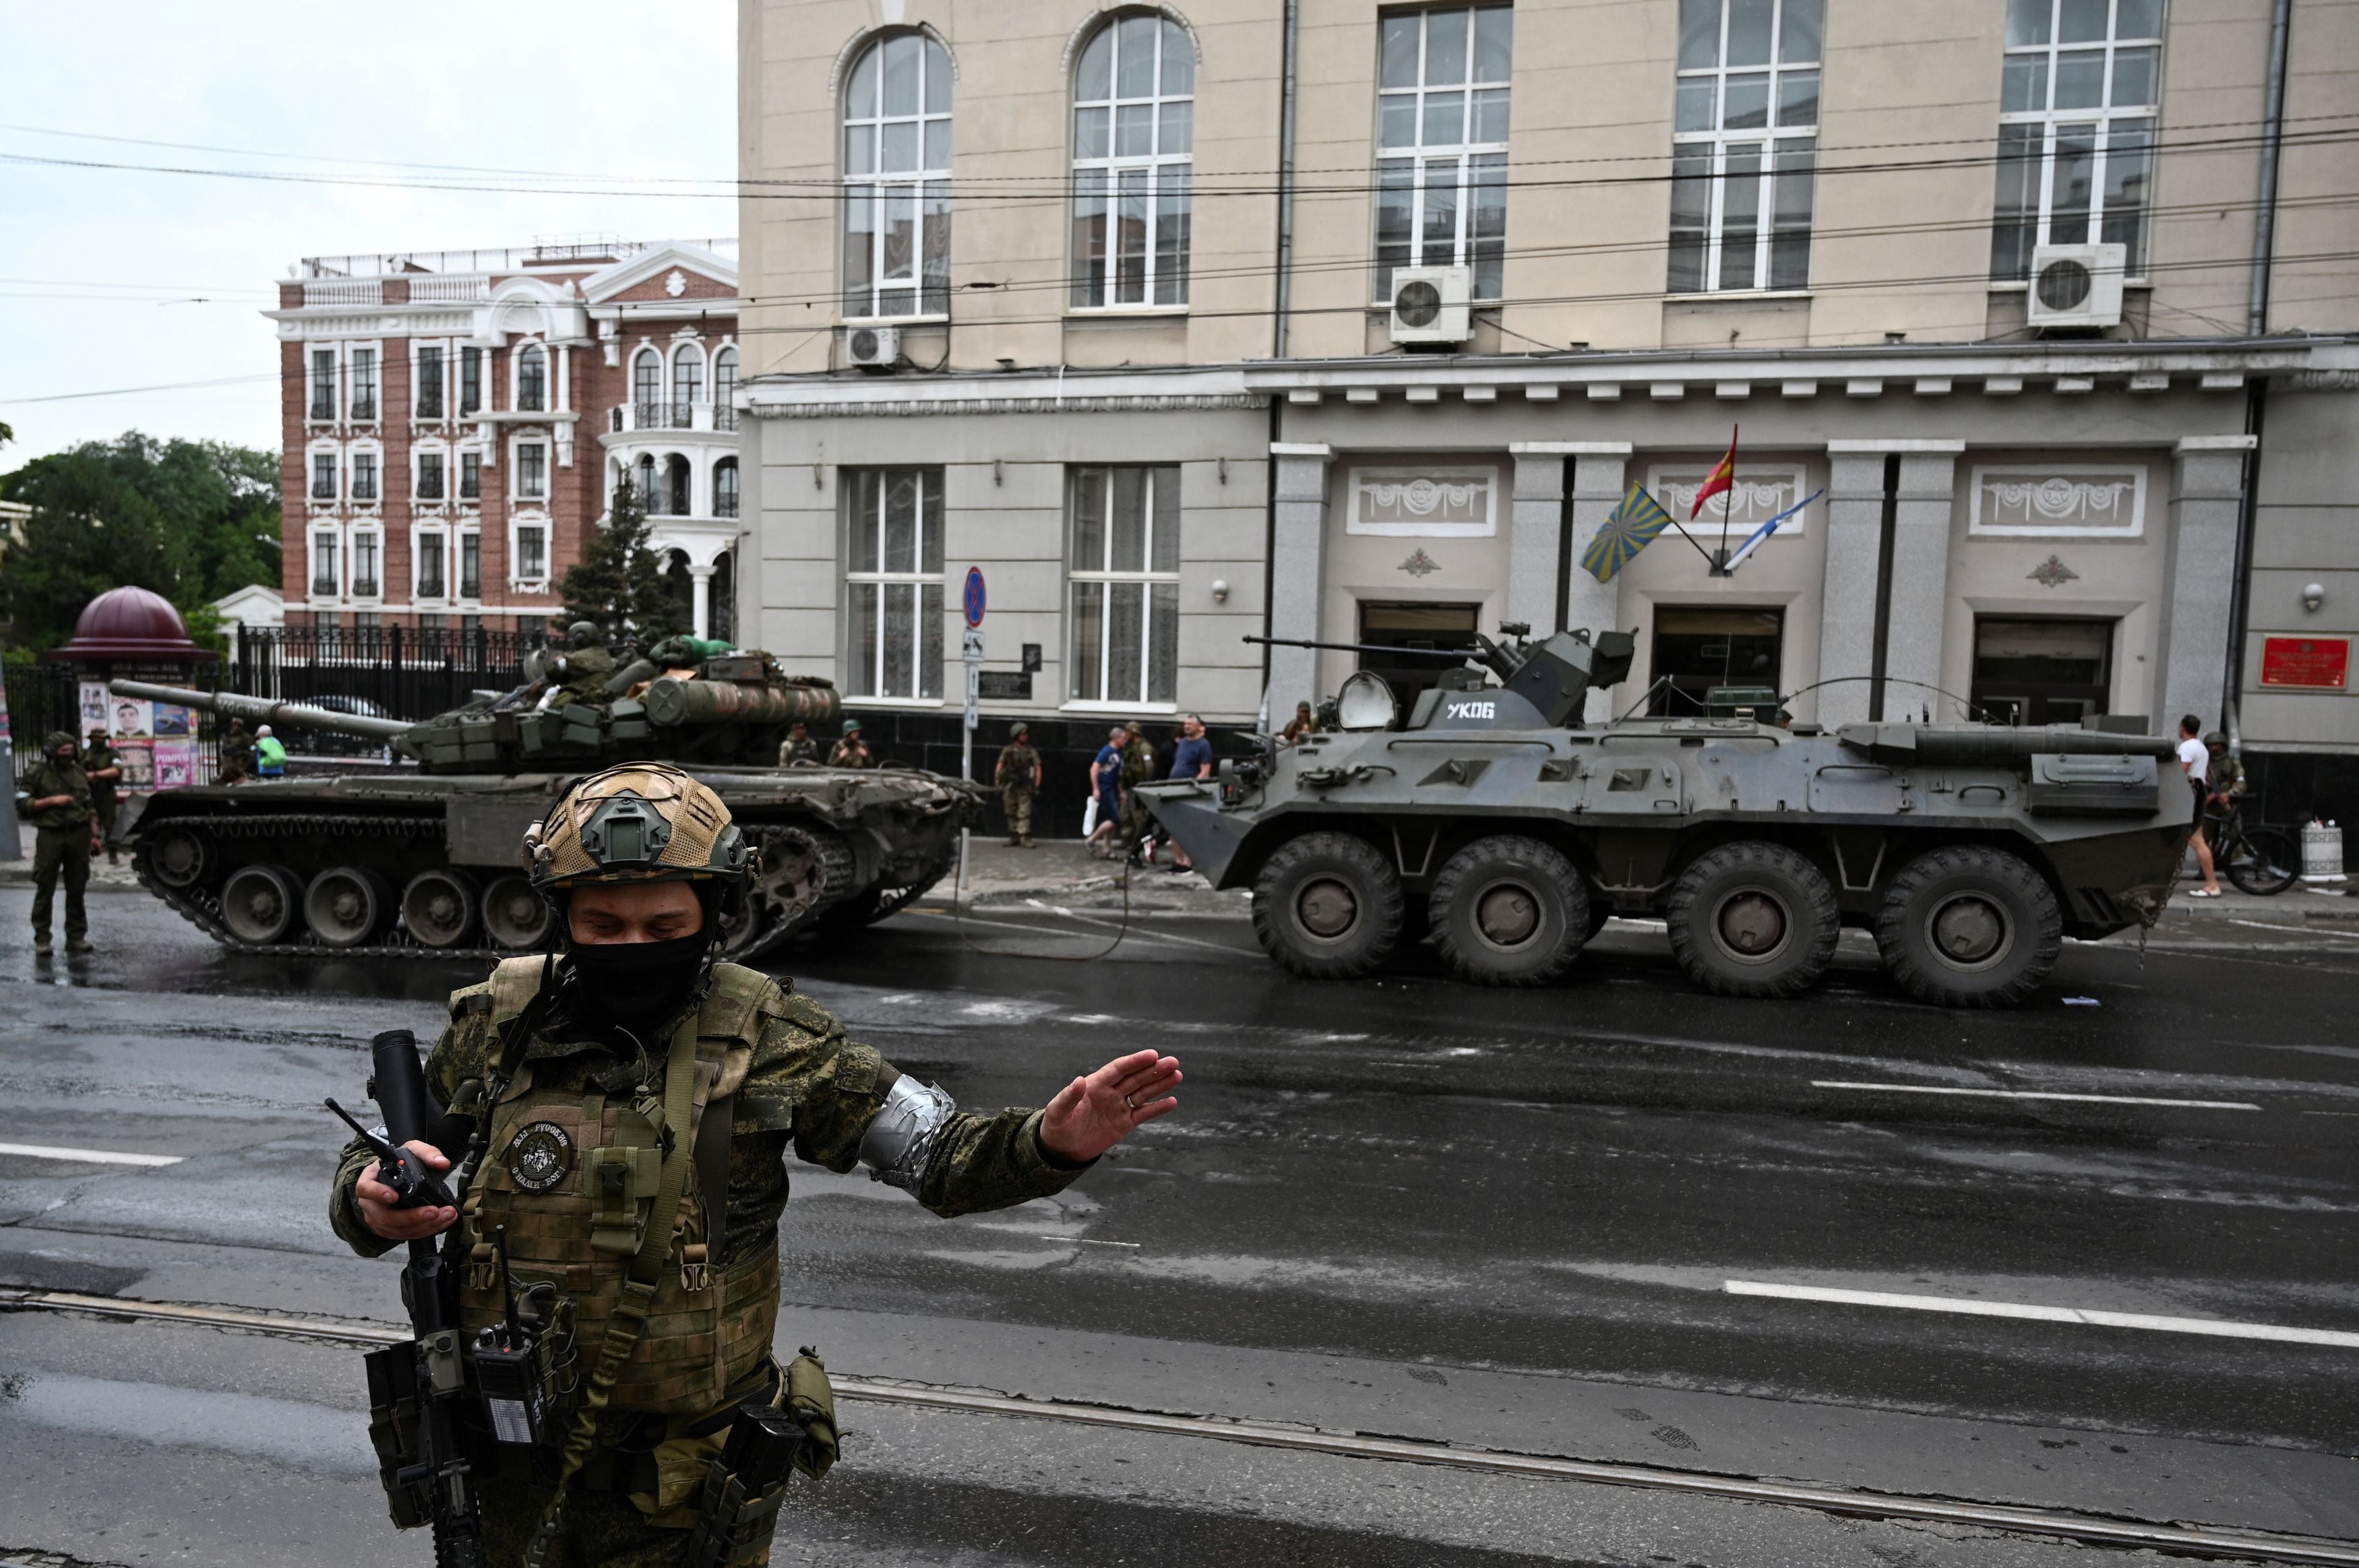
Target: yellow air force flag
column 1631, row 529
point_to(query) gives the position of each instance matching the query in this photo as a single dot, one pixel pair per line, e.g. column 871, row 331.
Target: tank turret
column 731, row 708
column 429, row 861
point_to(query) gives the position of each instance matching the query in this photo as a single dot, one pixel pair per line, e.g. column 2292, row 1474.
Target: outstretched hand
column 1091, row 1115
column 377, row 1201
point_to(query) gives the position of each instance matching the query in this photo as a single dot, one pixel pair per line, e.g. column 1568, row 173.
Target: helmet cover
column 641, row 822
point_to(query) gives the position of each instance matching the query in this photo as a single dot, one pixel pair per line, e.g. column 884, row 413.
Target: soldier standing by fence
column 103, row 766
column 57, row 804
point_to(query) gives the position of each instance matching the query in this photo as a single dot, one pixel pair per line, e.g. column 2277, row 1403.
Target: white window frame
column 311, row 456
column 461, row 538
column 483, row 362
column 372, row 536
column 1480, row 163
column 517, row 581
column 685, row 353
column 647, row 412
column 925, row 588
column 417, row 352
column 312, row 355
column 878, row 192
column 1104, row 576
column 430, row 542
column 418, row 453
column 1152, row 189
column 330, row 534
column 724, row 405
column 459, row 496
column 374, row 453
column 516, row 467
column 2105, row 144
column 532, row 347
column 1784, row 149
column 737, row 479
column 354, row 378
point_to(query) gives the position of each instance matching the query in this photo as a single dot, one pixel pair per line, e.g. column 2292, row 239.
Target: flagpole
column 1719, row 567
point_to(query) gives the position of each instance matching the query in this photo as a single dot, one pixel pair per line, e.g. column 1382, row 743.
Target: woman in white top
column 2195, row 760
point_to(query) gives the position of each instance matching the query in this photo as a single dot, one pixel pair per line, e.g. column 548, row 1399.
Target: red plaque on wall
column 2313, row 662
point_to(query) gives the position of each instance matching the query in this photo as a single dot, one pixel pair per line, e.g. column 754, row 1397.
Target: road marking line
column 2299, row 930
column 1966, row 1307
column 2034, row 1094
column 2110, row 1531
column 88, row 1156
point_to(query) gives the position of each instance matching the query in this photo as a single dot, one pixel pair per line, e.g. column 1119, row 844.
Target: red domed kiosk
column 133, row 632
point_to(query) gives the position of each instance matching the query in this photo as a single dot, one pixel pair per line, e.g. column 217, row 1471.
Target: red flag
column 1722, row 477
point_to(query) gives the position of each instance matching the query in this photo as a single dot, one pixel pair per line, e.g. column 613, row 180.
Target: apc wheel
column 1328, row 906
column 176, row 858
column 1753, row 920
column 346, row 905
column 1509, row 911
column 261, row 904
column 1969, row 927
column 514, row 915
column 438, row 907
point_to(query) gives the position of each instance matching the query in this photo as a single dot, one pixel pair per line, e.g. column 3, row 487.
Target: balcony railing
column 671, row 414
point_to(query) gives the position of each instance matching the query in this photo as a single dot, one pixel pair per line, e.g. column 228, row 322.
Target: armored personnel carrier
column 429, row 862
column 1491, row 820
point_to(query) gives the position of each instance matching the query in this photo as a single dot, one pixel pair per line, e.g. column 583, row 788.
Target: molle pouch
column 744, row 1486
column 620, row 1179
column 810, row 1400
column 393, row 1429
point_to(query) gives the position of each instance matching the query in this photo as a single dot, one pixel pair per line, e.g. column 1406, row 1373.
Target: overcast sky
column 100, row 269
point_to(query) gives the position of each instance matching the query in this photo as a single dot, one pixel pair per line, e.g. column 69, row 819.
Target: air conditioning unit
column 1430, row 306
column 2077, row 285
column 872, row 347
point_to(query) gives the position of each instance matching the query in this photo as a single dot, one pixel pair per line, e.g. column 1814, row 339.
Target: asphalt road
column 1614, row 1221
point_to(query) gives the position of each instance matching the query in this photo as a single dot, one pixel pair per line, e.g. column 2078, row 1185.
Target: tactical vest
column 574, row 1176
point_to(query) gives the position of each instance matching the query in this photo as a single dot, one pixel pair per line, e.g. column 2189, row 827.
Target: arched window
column 724, row 488
column 725, row 390
column 1133, row 134
column 675, row 499
column 897, row 172
column 647, row 389
column 647, row 481
column 687, row 382
column 532, row 378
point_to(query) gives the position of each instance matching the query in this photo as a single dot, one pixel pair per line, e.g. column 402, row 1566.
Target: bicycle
column 2260, row 861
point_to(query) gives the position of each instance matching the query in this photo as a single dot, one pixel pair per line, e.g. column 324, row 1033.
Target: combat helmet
column 582, row 633
column 641, row 822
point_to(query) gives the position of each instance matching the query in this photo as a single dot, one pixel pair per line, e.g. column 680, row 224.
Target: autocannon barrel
column 1978, row 746
column 263, row 710
column 672, row 701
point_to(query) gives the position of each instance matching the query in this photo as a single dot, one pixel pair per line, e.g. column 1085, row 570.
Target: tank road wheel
column 438, row 907
column 1328, row 906
column 346, row 905
column 261, row 904
column 513, row 916
column 1969, row 927
column 1753, row 919
column 1509, row 911
column 801, row 872
column 176, row 858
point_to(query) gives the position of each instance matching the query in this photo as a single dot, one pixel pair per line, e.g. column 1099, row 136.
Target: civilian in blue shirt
column 1106, row 784
column 1192, row 760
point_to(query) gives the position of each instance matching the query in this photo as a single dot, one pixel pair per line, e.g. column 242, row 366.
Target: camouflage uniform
column 852, row 752
column 62, row 839
column 1137, row 767
column 1019, row 776
column 236, row 754
column 104, row 799
column 783, row 1073
column 798, row 749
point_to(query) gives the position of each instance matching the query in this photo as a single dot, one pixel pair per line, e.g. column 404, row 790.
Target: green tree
column 190, row 520
column 619, row 582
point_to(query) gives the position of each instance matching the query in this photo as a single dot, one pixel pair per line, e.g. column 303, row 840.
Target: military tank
column 1493, row 822
column 427, row 862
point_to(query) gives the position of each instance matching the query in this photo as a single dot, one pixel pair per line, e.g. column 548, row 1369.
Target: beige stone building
column 1328, row 320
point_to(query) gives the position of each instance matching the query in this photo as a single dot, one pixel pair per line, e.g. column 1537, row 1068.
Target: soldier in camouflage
column 2224, row 788
column 584, row 668
column 101, row 764
column 564, row 1057
column 1018, row 776
column 55, row 798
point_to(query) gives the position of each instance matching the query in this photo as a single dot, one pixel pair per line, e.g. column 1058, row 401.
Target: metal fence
column 383, row 672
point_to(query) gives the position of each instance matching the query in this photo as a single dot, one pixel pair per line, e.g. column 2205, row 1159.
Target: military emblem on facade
column 2052, row 573
column 540, row 1156
column 1419, row 564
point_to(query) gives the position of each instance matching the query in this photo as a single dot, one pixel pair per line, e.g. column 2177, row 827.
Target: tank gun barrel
column 263, row 710
column 1994, row 746
column 672, row 701
column 1371, row 648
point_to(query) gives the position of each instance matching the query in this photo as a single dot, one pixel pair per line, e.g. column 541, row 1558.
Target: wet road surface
column 1828, row 1241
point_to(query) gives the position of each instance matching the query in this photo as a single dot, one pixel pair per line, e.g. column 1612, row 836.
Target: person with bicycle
column 2224, row 786
column 2195, row 760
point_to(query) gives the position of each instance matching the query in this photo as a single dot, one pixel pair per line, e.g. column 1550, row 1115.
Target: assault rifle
column 421, row 1385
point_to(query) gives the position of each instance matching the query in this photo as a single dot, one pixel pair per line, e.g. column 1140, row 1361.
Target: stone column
column 1297, row 570
column 1919, row 576
column 1535, row 522
column 699, row 599
column 2207, row 492
column 1601, row 473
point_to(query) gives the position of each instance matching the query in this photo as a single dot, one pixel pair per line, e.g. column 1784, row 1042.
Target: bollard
column 2321, row 852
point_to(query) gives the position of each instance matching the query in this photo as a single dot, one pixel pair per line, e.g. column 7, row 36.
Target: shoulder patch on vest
column 735, row 1003
column 473, row 1002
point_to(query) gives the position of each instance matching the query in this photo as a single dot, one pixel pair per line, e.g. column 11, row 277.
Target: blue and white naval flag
column 1753, row 540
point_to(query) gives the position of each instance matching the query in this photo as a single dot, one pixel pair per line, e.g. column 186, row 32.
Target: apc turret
column 428, row 861
column 1497, row 820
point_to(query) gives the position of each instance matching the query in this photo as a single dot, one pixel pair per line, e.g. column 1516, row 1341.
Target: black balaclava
column 634, row 987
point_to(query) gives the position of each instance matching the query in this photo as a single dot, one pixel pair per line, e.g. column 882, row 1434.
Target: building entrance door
column 2040, row 670
column 1699, row 649
column 1396, row 625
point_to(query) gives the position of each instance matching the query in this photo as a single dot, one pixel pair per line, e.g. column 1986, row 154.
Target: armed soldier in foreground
column 593, row 1381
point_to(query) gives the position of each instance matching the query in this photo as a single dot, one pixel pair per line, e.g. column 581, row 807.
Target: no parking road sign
column 973, row 598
